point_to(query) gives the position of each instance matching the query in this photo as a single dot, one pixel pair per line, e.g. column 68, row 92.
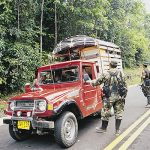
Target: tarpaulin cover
column 74, row 42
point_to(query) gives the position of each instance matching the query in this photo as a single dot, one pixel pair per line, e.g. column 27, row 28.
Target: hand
column 90, row 82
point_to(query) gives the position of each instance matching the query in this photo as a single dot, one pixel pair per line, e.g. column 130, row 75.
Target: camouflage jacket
column 105, row 78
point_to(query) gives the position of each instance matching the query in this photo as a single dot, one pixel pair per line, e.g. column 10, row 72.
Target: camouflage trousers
column 118, row 105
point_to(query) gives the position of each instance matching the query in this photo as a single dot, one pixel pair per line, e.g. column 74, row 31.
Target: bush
column 17, row 66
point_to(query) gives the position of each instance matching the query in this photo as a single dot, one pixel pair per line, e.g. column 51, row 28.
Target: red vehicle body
column 55, row 105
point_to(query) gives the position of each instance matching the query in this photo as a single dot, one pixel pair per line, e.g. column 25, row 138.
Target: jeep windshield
column 59, row 75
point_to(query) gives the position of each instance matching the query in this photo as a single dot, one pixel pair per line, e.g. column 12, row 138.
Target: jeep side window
column 87, row 73
column 69, row 74
column 60, row 75
column 43, row 77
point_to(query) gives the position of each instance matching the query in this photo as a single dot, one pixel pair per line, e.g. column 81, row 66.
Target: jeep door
column 90, row 93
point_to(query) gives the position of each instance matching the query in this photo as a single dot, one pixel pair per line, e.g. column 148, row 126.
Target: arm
column 99, row 81
column 123, row 78
column 103, row 78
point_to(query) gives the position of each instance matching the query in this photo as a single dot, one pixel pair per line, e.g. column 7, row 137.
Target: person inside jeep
column 86, row 76
column 57, row 79
column 43, row 78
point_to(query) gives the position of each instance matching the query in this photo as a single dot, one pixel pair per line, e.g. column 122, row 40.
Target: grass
column 133, row 75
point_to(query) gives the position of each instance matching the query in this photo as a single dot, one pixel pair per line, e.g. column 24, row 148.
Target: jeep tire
column 19, row 135
column 66, row 129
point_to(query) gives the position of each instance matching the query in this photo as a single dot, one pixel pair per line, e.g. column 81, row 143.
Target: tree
column 33, row 26
column 41, row 26
column 19, row 51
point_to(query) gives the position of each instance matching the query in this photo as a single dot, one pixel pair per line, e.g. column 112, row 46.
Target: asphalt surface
column 143, row 141
column 88, row 139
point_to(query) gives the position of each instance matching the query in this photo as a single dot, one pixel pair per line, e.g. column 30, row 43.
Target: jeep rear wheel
column 66, row 129
column 19, row 135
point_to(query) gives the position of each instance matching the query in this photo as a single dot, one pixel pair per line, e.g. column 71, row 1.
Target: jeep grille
column 26, row 104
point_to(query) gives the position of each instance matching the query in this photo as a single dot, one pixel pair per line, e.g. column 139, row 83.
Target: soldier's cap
column 113, row 63
column 145, row 64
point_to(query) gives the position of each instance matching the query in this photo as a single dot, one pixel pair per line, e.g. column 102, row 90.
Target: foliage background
column 124, row 22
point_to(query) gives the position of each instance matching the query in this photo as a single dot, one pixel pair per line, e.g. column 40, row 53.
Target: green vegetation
column 133, row 75
column 30, row 29
column 3, row 106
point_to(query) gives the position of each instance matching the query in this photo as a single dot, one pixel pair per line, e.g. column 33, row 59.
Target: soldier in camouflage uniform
column 111, row 98
column 146, row 83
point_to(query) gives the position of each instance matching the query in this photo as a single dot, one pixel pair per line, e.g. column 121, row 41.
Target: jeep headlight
column 12, row 105
column 41, row 105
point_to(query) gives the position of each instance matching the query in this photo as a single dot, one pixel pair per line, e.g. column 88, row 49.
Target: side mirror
column 27, row 87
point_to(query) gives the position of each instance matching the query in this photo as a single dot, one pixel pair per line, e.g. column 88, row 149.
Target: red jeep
column 58, row 99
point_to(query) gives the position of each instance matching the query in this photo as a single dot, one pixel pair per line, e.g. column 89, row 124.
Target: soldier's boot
column 103, row 128
column 148, row 102
column 117, row 125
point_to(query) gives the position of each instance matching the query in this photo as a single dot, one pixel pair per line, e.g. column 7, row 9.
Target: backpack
column 115, row 85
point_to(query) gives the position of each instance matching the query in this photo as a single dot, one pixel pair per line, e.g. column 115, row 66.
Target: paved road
column 88, row 139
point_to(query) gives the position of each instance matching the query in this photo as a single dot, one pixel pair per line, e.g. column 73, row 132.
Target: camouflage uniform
column 114, row 100
column 144, row 86
column 144, row 76
column 117, row 104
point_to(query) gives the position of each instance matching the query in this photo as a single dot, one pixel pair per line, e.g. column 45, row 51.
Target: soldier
column 146, row 83
column 145, row 73
column 115, row 91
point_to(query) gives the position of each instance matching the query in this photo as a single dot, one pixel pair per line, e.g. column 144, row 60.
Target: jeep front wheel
column 19, row 135
column 66, row 129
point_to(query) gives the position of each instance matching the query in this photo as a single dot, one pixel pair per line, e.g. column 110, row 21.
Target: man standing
column 115, row 91
column 146, row 83
column 145, row 73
